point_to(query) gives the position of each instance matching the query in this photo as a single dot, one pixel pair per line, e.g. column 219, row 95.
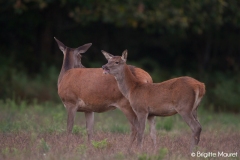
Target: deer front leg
column 89, row 124
column 142, row 117
column 71, row 110
column 125, row 107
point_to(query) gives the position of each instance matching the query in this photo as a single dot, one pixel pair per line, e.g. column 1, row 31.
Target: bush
column 222, row 89
column 18, row 85
column 223, row 92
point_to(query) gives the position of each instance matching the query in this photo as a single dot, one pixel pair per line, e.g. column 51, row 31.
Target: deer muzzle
column 106, row 70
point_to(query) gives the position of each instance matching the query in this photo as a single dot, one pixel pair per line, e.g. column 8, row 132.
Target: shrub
column 224, row 92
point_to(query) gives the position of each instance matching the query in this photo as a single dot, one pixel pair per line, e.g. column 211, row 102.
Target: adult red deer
column 88, row 90
column 179, row 95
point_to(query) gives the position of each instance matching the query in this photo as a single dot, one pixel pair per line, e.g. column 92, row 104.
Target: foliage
column 222, row 91
column 100, row 144
column 43, row 146
column 166, row 38
column 118, row 129
column 19, row 85
column 79, row 130
column 226, row 93
column 82, row 149
column 199, row 15
column 191, row 35
column 161, row 155
column 23, row 116
column 165, row 123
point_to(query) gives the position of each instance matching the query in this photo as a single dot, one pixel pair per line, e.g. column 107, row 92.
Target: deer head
column 72, row 56
column 115, row 63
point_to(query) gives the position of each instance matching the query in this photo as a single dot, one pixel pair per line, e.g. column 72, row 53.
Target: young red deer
column 88, row 90
column 179, row 95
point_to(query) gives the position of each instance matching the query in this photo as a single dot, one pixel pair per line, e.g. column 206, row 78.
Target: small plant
column 144, row 156
column 5, row 151
column 100, row 144
column 43, row 146
column 119, row 156
column 10, row 151
column 161, row 155
column 15, row 151
column 78, row 130
column 81, row 149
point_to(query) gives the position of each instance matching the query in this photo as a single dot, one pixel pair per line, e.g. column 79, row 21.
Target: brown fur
column 178, row 95
column 88, row 90
column 93, row 89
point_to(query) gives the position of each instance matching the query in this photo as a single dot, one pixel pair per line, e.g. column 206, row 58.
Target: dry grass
column 60, row 146
column 38, row 132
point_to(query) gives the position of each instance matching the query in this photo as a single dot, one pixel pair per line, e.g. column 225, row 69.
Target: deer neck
column 126, row 81
column 68, row 63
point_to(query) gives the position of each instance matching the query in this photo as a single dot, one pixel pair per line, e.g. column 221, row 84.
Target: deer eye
column 116, row 62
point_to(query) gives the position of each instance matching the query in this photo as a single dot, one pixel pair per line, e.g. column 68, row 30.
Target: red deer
column 88, row 90
column 180, row 95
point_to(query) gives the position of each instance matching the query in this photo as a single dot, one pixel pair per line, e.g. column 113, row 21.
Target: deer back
column 93, row 87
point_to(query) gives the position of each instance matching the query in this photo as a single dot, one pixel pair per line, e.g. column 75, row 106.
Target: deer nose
column 104, row 66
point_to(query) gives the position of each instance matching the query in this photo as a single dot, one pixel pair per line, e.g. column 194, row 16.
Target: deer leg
column 132, row 118
column 142, row 117
column 151, row 120
column 199, row 125
column 89, row 124
column 194, row 112
column 70, row 119
column 195, row 127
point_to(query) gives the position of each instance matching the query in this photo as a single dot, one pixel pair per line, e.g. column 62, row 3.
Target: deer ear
column 83, row 48
column 61, row 46
column 124, row 55
column 107, row 55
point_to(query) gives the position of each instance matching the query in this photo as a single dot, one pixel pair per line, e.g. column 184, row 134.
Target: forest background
column 166, row 38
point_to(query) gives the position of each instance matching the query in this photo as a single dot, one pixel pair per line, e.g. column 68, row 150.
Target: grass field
column 38, row 131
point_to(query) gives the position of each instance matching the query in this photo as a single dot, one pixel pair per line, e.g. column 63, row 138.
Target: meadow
column 38, row 131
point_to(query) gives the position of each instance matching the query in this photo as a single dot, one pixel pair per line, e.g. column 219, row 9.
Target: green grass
column 29, row 130
column 47, row 117
column 100, row 144
column 50, row 117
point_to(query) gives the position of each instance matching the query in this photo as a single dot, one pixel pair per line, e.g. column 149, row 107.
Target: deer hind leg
column 151, row 120
column 194, row 112
column 195, row 127
column 89, row 124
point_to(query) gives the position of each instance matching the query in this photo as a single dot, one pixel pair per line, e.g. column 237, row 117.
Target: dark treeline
column 166, row 38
